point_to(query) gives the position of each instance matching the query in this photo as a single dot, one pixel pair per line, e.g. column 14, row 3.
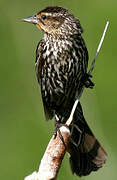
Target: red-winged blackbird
column 61, row 65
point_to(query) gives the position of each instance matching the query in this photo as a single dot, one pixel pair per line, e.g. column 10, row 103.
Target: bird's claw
column 87, row 81
column 58, row 125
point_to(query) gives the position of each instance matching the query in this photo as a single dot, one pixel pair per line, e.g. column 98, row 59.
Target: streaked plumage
column 64, row 64
column 61, row 65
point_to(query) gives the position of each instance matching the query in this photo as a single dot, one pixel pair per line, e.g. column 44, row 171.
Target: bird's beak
column 32, row 19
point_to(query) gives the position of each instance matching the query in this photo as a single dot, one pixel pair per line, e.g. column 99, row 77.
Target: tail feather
column 86, row 153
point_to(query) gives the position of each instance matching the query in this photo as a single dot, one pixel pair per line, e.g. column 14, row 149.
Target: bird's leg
column 56, row 125
column 57, row 129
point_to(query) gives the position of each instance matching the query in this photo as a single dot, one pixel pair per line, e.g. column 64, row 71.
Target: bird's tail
column 86, row 153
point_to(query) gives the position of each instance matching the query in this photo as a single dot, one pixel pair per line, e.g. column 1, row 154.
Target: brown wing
column 39, row 59
column 38, row 67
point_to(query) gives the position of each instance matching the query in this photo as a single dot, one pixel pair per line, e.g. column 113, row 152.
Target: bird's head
column 56, row 21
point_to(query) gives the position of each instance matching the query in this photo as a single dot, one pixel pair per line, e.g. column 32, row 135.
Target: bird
column 61, row 69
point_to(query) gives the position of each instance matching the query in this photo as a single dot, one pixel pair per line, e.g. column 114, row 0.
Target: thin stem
column 98, row 49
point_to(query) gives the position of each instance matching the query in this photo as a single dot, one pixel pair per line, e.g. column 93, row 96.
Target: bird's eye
column 43, row 17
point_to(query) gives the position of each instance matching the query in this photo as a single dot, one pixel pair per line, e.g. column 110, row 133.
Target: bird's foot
column 87, row 81
column 58, row 125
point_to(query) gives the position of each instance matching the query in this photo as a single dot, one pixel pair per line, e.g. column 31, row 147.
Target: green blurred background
column 24, row 134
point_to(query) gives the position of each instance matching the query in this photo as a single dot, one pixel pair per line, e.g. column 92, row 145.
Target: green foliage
column 23, row 132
